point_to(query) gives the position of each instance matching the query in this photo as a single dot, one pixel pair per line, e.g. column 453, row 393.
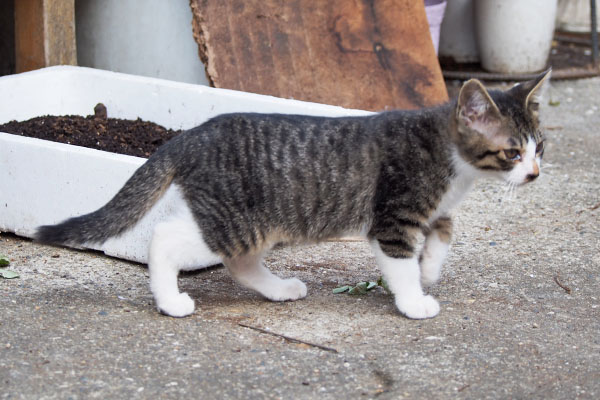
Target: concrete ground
column 520, row 307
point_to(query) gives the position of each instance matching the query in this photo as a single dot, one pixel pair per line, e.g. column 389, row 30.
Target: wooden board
column 371, row 55
column 44, row 33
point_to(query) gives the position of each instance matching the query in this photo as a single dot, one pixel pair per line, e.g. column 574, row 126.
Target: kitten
column 249, row 181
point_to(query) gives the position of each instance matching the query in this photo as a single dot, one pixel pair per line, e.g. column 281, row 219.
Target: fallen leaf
column 360, row 288
column 341, row 289
column 3, row 260
column 381, row 282
column 7, row 274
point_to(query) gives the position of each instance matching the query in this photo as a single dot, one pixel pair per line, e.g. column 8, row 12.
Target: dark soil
column 136, row 138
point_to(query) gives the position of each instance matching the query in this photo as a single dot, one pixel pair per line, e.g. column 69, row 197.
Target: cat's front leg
column 403, row 277
column 435, row 249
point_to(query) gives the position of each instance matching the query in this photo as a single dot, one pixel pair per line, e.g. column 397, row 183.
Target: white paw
column 287, row 290
column 420, row 307
column 177, row 306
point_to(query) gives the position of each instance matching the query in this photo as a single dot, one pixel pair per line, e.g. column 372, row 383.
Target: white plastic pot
column 43, row 182
column 574, row 16
column 514, row 36
column 457, row 35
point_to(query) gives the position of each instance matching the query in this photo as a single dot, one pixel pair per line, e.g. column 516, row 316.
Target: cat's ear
column 476, row 109
column 538, row 87
column 533, row 91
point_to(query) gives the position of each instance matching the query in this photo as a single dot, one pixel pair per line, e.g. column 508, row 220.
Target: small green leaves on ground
column 342, row 289
column 381, row 282
column 5, row 273
column 361, row 287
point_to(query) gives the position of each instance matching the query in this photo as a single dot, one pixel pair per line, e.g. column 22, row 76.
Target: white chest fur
column 458, row 187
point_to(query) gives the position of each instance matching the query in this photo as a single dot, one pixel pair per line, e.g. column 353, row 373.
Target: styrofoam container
column 44, row 182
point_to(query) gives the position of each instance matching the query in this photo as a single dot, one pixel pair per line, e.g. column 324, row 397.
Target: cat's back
column 278, row 126
column 230, row 140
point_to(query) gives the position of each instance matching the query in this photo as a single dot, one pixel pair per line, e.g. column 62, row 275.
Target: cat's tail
column 123, row 211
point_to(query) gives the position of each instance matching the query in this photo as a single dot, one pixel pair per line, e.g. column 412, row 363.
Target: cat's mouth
column 520, row 179
column 525, row 171
column 530, row 178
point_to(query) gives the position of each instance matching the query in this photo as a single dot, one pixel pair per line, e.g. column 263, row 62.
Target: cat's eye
column 540, row 148
column 512, row 154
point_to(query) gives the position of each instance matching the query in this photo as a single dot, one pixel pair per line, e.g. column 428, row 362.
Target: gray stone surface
column 81, row 325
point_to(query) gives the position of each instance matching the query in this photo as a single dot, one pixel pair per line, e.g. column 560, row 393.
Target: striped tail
column 123, row 211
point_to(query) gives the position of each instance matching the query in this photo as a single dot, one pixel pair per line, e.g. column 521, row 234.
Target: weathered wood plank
column 44, row 34
column 368, row 54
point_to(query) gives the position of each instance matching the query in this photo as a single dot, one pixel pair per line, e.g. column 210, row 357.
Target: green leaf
column 381, row 282
column 3, row 260
column 554, row 103
column 6, row 274
column 341, row 289
column 360, row 288
column 356, row 290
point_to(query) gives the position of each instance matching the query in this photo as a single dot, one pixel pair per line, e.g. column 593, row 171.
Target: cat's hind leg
column 176, row 245
column 435, row 249
column 250, row 271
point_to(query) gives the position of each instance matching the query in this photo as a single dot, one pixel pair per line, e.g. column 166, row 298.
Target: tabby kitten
column 249, row 181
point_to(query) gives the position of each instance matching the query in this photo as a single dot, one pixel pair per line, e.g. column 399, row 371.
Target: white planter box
column 43, row 182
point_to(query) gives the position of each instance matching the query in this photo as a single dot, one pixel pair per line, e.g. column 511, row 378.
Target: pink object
column 435, row 15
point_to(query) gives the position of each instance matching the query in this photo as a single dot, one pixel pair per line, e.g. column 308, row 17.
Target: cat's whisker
column 509, row 192
column 514, row 191
column 545, row 169
column 506, row 193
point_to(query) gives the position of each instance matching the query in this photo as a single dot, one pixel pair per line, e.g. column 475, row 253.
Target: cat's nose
column 534, row 174
column 531, row 177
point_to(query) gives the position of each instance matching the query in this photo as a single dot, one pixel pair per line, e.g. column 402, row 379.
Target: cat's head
column 498, row 132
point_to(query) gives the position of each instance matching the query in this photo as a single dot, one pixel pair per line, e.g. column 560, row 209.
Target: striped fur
column 250, row 180
column 254, row 179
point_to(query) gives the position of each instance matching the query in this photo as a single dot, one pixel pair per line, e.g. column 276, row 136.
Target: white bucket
column 574, row 16
column 457, row 35
column 514, row 36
